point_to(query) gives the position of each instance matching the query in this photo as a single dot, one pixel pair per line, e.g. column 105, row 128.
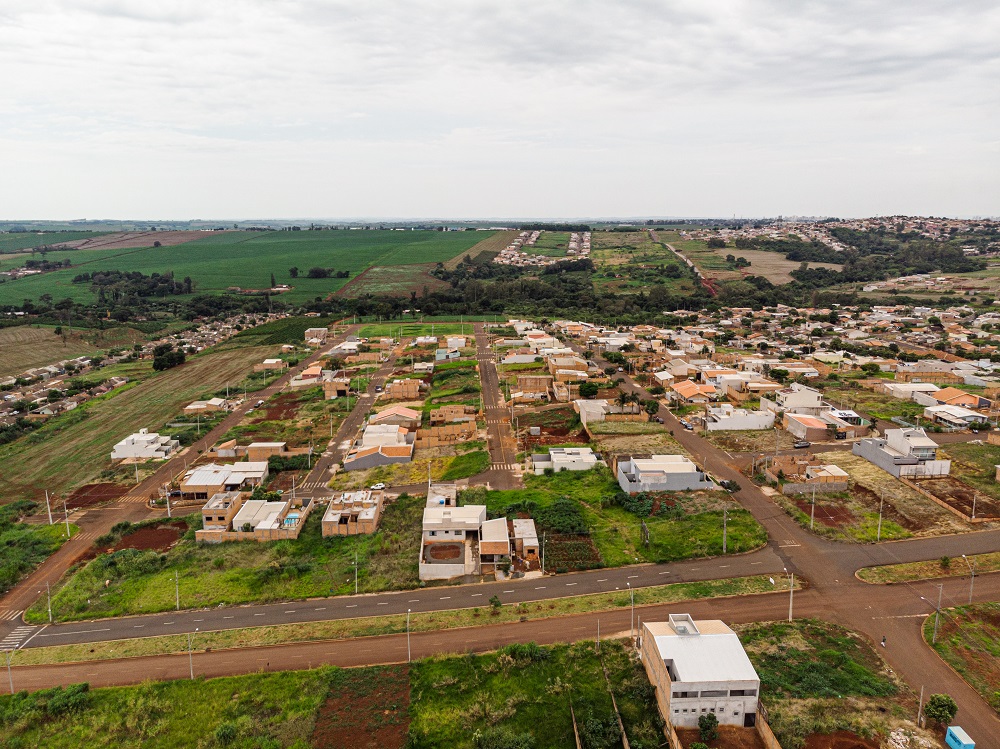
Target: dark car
column 802, row 443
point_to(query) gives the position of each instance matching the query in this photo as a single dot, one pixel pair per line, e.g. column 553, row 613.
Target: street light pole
column 631, row 625
column 191, row 655
column 66, row 513
column 48, row 506
column 48, row 595
column 972, row 575
column 881, row 500
column 9, row 654
column 791, row 591
column 725, row 522
column 177, row 590
column 407, row 635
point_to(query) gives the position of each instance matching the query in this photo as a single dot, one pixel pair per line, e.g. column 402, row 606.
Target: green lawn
column 414, row 329
column 235, row 573
column 695, row 530
column 247, row 260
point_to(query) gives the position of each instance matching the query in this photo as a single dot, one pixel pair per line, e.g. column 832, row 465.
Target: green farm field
column 73, row 449
column 247, row 259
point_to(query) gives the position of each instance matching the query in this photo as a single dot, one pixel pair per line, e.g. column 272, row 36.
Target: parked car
column 378, row 388
column 378, row 487
column 659, row 420
column 258, row 404
column 802, row 443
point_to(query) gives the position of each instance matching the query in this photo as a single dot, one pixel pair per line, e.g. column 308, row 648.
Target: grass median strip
column 932, row 568
column 385, row 625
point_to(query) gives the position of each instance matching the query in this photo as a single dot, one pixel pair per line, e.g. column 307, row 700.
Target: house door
column 749, row 720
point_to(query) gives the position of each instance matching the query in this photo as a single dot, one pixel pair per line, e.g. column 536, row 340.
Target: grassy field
column 340, row 629
column 694, row 529
column 456, row 702
column 819, row 678
column 28, row 346
column 247, row 260
column 931, row 569
column 393, row 280
column 74, row 448
column 25, row 546
column 772, row 265
column 414, row 329
column 235, row 573
column 969, row 641
column 631, row 261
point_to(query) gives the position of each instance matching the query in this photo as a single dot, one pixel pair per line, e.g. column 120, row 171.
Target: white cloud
column 316, row 108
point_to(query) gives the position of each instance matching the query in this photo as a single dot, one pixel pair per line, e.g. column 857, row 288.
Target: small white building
column 450, row 540
column 145, row 445
column 726, row 417
column 564, row 459
column 699, row 667
column 661, row 473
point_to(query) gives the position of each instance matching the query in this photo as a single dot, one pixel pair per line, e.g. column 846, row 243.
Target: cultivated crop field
column 27, row 347
column 247, row 260
column 73, row 449
column 395, row 280
column 28, row 240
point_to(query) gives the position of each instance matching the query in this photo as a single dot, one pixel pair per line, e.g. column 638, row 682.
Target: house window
column 676, row 712
column 434, row 533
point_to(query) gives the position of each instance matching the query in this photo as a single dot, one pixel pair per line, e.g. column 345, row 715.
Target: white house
column 797, row 399
column 904, row 452
column 726, row 417
column 699, row 667
column 661, row 473
column 450, row 540
column 564, row 459
column 145, row 445
column 955, row 417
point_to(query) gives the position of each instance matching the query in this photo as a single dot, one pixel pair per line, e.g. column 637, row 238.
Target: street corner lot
column 917, row 514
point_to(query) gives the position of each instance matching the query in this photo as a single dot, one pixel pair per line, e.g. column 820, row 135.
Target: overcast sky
column 537, row 108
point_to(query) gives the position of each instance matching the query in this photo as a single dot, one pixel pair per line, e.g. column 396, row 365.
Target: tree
column 652, row 407
column 941, row 708
column 716, row 243
column 293, row 272
column 588, row 389
column 708, row 726
column 871, row 368
column 273, row 282
column 779, row 375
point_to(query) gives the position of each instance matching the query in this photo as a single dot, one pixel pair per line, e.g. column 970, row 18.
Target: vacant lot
column 772, row 265
column 817, row 678
column 74, row 449
column 25, row 347
column 976, row 465
column 247, row 260
column 969, row 641
column 234, row 573
column 687, row 524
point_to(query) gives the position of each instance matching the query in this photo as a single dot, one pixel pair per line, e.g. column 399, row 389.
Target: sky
column 253, row 109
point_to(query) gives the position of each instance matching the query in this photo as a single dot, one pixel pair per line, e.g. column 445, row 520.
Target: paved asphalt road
column 499, row 436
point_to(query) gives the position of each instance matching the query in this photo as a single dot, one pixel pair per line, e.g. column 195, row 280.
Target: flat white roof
column 495, row 530
column 715, row 654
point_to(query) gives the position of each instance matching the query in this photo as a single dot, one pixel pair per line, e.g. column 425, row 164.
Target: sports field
column 248, row 259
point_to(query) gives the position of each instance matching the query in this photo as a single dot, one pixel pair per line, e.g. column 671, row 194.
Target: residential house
column 335, row 387
column 904, row 452
column 954, row 417
column 271, row 365
column 697, row 668
column 950, row 396
column 799, row 474
column 452, row 414
column 455, row 341
column 204, row 481
column 145, row 445
column 726, row 417
column 447, row 354
column 229, row 516
column 353, row 513
column 797, row 399
column 450, row 540
column 525, row 538
column 408, row 389
column 661, row 473
column 398, row 416
column 564, row 459
column 308, row 377
column 494, row 542
column 213, row 405
column 315, row 336
column 938, row 372
column 690, row 392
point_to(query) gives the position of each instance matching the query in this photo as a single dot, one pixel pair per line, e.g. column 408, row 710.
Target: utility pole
column 881, row 501
column 48, row 506
column 355, row 573
column 66, row 512
column 972, row 575
column 631, row 625
column 725, row 518
column 791, row 592
column 543, row 553
column 937, row 614
column 177, row 591
column 48, row 594
column 9, row 654
column 920, row 706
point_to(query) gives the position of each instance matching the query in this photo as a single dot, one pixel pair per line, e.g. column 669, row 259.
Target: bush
column 501, row 737
column 941, row 708
column 708, row 727
column 225, row 734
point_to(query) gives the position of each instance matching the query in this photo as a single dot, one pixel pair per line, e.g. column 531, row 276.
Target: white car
column 378, row 487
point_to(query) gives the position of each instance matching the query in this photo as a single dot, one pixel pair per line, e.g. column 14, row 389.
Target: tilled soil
column 839, row 740
column 93, row 494
column 367, row 715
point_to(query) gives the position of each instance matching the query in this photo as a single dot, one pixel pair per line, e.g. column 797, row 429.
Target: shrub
column 941, row 708
column 708, row 727
column 225, row 734
column 501, row 737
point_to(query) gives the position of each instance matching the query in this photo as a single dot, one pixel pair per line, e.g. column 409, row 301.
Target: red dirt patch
column 441, row 552
column 832, row 516
column 871, row 500
column 839, row 740
column 730, row 737
column 93, row 494
column 370, row 710
column 961, row 496
column 283, row 407
column 155, row 538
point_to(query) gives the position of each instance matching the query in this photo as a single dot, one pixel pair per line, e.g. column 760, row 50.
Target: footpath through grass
column 342, row 629
column 969, row 641
column 933, row 568
column 142, row 581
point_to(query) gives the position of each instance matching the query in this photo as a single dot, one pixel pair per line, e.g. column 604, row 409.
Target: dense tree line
column 115, row 285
